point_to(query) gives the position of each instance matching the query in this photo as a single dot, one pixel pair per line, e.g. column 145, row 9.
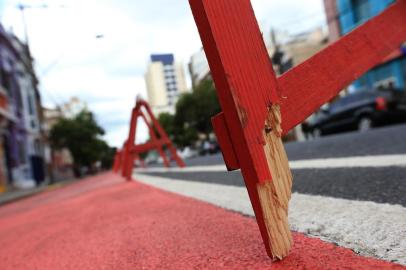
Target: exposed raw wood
column 246, row 86
column 275, row 195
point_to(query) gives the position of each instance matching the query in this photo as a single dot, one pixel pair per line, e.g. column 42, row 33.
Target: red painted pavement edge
column 106, row 223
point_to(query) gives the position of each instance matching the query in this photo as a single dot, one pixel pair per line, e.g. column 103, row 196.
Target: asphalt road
column 378, row 184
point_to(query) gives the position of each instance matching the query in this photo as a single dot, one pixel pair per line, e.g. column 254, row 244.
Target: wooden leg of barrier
column 259, row 108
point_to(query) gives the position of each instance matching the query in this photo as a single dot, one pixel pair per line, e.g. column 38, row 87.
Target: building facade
column 165, row 81
column 198, row 68
column 345, row 15
column 288, row 50
column 21, row 155
column 31, row 108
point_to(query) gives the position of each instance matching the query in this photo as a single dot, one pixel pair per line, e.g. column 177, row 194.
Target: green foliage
column 81, row 136
column 206, row 105
column 193, row 113
column 167, row 122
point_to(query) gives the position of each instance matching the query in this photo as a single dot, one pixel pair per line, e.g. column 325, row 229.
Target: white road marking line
column 369, row 228
column 326, row 163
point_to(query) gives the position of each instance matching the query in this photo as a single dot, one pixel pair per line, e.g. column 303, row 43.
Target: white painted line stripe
column 369, row 228
column 345, row 162
column 209, row 168
column 351, row 162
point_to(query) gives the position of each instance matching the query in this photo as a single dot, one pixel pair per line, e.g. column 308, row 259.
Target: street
column 105, row 222
column 378, row 184
column 117, row 138
column 348, row 189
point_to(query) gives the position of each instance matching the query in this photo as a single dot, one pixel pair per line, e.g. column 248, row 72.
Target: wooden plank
column 162, row 134
column 248, row 94
column 131, row 151
column 128, row 158
column 224, row 140
column 319, row 79
column 154, row 138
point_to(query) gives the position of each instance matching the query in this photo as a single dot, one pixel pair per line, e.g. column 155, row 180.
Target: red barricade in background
column 159, row 141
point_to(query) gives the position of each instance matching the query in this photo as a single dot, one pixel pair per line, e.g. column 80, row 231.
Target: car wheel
column 316, row 133
column 364, row 124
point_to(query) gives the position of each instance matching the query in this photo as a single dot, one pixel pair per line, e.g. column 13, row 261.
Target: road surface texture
column 349, row 189
column 106, row 223
column 373, row 183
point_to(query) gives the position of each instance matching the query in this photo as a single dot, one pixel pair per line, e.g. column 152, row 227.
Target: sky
column 108, row 72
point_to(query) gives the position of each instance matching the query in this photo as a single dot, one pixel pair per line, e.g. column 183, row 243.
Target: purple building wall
column 15, row 134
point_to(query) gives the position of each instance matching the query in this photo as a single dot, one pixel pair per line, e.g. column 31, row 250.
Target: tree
column 167, row 122
column 195, row 109
column 206, row 105
column 193, row 113
column 180, row 134
column 81, row 136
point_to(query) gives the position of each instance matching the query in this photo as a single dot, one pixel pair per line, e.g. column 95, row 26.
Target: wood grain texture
column 275, row 195
column 309, row 85
column 250, row 95
column 246, row 87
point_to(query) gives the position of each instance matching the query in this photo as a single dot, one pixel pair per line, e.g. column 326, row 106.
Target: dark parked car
column 361, row 111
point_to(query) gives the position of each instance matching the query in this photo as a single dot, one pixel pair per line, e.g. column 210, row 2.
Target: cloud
column 108, row 72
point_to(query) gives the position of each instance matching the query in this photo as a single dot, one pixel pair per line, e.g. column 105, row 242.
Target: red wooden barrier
column 158, row 140
column 259, row 108
column 117, row 161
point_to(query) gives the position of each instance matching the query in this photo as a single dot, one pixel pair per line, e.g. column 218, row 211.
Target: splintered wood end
column 275, row 194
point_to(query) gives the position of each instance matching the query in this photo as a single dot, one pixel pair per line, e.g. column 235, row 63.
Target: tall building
column 165, row 81
column 345, row 15
column 292, row 50
column 198, row 67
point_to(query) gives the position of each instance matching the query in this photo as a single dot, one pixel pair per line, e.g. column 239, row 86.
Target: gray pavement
column 382, row 185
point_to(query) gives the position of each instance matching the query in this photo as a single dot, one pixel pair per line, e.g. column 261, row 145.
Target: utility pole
column 22, row 8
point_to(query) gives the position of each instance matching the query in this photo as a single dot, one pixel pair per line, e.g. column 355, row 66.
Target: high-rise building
column 165, row 81
column 198, row 68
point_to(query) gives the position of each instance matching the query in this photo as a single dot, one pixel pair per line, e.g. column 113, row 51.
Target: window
column 361, row 10
column 5, row 80
column 21, row 152
column 404, row 72
column 30, row 105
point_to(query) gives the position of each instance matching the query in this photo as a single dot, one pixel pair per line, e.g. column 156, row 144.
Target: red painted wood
column 157, row 141
column 128, row 160
column 224, row 140
column 117, row 161
column 150, row 145
column 243, row 75
column 163, row 135
column 245, row 84
column 309, row 85
column 154, row 138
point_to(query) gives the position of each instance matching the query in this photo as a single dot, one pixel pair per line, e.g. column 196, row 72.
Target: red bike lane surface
column 106, row 223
